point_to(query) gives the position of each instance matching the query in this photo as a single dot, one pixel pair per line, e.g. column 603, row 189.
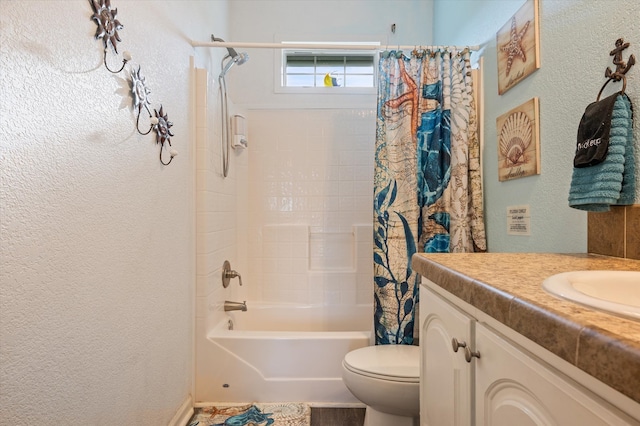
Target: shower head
column 236, row 58
column 241, row 58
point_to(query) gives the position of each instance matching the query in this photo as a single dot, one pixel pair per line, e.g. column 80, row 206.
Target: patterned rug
column 274, row 414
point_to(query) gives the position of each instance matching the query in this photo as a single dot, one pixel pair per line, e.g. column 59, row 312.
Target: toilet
column 386, row 378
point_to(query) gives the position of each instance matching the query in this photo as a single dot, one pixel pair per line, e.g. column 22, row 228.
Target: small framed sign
column 518, row 220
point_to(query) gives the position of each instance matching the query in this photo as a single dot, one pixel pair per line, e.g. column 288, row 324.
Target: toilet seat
column 398, row 363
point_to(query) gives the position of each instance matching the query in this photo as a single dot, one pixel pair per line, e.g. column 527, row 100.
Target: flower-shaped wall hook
column 108, row 26
column 162, row 128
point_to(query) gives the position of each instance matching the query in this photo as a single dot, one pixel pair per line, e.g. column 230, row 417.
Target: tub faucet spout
column 235, row 306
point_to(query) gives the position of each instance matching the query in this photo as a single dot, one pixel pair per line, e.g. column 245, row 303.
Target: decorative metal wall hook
column 126, row 57
column 622, row 67
column 152, row 122
column 172, row 153
column 108, row 26
column 162, row 127
column 140, row 93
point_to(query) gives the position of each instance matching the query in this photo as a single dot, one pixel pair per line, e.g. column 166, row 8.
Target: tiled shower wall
column 220, row 208
column 310, row 195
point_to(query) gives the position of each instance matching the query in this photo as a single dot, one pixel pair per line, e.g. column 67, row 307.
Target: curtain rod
column 324, row 46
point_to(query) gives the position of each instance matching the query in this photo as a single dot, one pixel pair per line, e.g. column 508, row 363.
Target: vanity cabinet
column 492, row 381
column 445, row 376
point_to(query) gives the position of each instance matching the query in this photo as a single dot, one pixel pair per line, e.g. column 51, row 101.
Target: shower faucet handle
column 228, row 273
column 234, row 274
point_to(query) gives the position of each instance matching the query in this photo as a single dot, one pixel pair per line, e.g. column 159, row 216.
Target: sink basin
column 615, row 292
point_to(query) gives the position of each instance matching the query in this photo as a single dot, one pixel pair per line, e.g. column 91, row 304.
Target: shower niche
column 301, row 265
column 332, row 251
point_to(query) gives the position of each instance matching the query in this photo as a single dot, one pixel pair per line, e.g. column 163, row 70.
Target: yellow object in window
column 330, row 81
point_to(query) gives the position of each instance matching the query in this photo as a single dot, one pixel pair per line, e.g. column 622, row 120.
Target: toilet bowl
column 386, row 378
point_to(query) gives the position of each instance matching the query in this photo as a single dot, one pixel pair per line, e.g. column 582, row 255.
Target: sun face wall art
column 105, row 18
column 518, row 44
column 518, row 142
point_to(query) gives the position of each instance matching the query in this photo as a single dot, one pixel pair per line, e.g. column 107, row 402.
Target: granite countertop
column 507, row 286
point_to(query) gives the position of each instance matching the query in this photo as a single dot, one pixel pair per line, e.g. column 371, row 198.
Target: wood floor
column 337, row 416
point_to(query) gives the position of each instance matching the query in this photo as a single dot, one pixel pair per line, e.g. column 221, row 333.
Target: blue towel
column 612, row 182
column 628, row 193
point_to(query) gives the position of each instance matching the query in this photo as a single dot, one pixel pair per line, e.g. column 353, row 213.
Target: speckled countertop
column 507, row 286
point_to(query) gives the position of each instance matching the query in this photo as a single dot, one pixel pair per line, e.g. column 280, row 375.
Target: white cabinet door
column 445, row 388
column 512, row 388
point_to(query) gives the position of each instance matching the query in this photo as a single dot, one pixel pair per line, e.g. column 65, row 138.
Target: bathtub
column 281, row 353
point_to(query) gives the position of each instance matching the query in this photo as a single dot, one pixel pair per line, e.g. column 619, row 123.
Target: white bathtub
column 280, row 353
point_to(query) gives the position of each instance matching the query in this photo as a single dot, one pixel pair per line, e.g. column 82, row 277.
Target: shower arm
column 230, row 49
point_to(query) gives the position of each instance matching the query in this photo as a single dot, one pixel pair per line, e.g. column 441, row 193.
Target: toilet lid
column 390, row 362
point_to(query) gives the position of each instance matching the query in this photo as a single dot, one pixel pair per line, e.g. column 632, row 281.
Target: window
column 306, row 68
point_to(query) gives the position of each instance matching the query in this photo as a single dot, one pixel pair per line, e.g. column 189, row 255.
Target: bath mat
column 267, row 414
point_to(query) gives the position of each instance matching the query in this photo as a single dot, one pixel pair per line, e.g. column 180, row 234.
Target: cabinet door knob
column 456, row 345
column 468, row 354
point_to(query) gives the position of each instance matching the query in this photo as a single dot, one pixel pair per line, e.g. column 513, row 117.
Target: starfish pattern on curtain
column 427, row 187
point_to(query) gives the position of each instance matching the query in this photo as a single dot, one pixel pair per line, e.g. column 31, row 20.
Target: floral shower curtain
column 427, row 186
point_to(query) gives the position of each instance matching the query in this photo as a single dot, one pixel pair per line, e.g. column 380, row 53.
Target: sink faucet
column 235, row 306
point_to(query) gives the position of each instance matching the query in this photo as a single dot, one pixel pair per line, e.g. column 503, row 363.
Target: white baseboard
column 184, row 413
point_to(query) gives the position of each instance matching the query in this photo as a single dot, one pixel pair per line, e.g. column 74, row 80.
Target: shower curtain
column 427, row 184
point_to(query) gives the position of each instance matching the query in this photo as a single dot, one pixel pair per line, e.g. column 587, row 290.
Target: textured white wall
column 575, row 39
column 98, row 239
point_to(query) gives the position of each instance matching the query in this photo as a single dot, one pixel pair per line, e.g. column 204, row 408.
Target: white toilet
column 387, row 379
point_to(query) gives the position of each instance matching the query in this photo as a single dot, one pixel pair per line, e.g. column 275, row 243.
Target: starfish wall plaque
column 518, row 45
